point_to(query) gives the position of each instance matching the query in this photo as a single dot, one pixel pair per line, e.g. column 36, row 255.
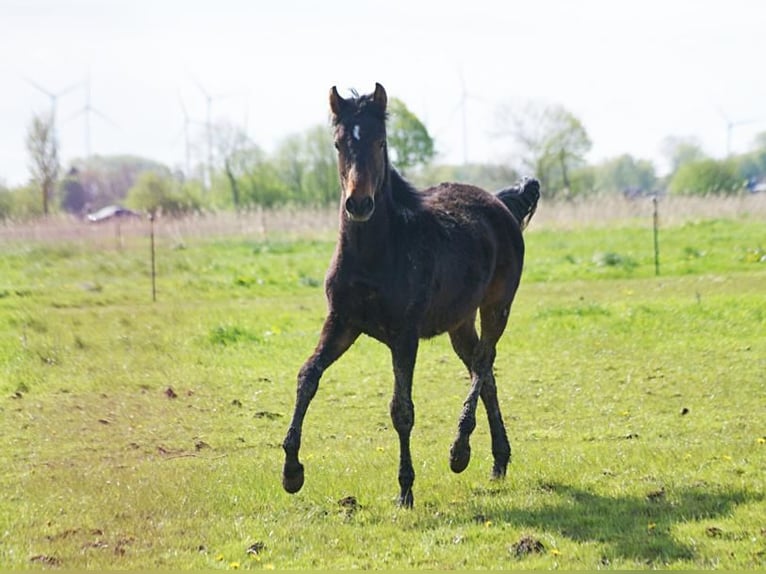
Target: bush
column 6, row 204
column 20, row 203
column 157, row 194
column 706, row 177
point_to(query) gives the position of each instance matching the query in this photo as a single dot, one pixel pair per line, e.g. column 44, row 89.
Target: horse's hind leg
column 479, row 357
column 465, row 341
column 493, row 322
column 501, row 448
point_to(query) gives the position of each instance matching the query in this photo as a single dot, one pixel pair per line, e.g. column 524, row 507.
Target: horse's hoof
column 498, row 473
column 405, row 500
column 292, row 478
column 459, row 455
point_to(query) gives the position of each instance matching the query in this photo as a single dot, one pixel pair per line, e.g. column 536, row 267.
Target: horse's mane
column 407, row 199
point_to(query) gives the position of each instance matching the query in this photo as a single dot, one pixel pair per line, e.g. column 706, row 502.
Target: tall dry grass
column 258, row 225
column 322, row 223
column 672, row 210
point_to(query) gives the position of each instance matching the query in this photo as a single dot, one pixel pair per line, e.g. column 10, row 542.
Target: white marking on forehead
column 357, row 133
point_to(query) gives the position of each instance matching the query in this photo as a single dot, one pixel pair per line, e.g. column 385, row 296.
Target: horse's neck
column 368, row 242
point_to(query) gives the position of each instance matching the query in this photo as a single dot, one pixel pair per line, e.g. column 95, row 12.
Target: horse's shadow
column 630, row 527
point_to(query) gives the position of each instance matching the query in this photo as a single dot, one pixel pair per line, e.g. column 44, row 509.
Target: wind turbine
column 462, row 107
column 730, row 125
column 86, row 111
column 54, row 96
column 209, row 125
column 186, row 134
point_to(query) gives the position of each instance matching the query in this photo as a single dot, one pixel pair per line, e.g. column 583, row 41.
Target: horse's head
column 360, row 138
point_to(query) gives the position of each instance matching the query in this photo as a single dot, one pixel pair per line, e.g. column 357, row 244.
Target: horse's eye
column 337, row 145
column 382, row 144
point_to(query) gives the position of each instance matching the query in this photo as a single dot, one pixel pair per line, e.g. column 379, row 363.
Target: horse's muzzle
column 360, row 209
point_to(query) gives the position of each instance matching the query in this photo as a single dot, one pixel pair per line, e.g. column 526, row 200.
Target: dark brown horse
column 410, row 265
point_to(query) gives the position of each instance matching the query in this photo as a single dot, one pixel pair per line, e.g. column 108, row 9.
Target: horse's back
column 468, row 210
column 477, row 250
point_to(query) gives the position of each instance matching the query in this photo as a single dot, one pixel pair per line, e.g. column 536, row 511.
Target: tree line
column 548, row 141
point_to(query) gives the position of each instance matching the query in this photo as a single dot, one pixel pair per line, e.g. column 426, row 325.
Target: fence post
column 154, row 270
column 656, row 236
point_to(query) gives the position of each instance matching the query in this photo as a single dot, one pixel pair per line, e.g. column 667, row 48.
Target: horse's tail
column 521, row 199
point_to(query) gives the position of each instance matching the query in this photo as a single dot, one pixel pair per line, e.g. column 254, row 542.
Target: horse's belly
column 447, row 313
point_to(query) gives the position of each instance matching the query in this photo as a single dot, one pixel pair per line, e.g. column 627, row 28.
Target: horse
column 409, row 265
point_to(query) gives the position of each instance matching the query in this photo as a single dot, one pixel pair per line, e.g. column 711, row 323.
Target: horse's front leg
column 335, row 339
column 404, row 352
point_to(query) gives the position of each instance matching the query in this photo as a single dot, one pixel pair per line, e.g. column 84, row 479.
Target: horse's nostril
column 360, row 208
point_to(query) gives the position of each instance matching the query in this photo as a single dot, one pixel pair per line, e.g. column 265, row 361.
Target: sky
column 633, row 72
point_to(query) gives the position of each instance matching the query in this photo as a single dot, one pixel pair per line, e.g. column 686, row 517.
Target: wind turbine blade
column 183, row 106
column 748, row 121
column 104, row 117
column 68, row 89
column 178, row 136
column 39, row 87
column 224, row 96
column 721, row 113
column 77, row 114
column 202, row 88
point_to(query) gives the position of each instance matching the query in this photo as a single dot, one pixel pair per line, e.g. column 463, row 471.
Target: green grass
column 147, row 435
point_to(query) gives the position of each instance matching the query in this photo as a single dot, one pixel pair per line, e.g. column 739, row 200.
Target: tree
column 291, row 165
column 681, row 150
column 320, row 179
column 753, row 165
column 231, row 144
column 705, row 177
column 74, row 198
column 759, row 141
column 625, row 174
column 107, row 179
column 43, row 150
column 552, row 142
column 306, row 166
column 154, row 194
column 408, row 138
column 23, row 202
column 6, row 203
column 484, row 175
column 251, row 179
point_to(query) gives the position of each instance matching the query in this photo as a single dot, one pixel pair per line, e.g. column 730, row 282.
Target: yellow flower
column 219, row 557
column 234, row 565
column 761, row 440
column 268, row 566
column 726, row 457
column 651, row 526
column 555, row 552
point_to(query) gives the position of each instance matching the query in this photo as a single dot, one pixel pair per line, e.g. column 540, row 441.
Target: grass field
column 144, row 435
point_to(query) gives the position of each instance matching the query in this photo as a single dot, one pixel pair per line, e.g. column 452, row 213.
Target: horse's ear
column 379, row 97
column 336, row 102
